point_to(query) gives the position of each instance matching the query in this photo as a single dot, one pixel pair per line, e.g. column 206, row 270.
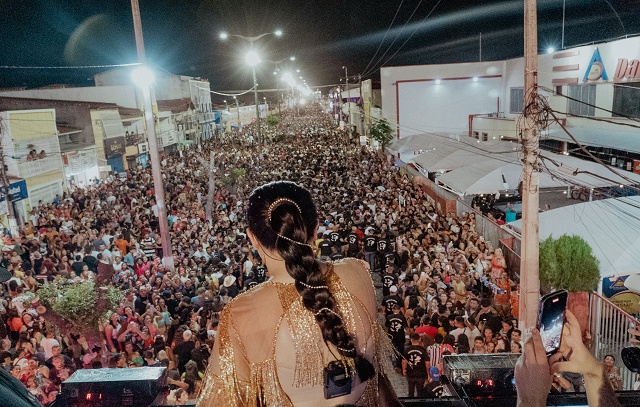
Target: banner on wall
column 614, row 290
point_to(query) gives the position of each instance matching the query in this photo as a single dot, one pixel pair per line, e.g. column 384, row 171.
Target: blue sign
column 17, row 191
column 217, row 114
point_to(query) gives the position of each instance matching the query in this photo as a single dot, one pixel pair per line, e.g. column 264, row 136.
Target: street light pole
column 255, row 96
column 158, row 183
column 237, row 111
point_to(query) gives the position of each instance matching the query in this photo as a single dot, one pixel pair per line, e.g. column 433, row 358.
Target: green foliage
column 232, row 179
column 381, row 132
column 568, row 263
column 273, row 120
column 82, row 304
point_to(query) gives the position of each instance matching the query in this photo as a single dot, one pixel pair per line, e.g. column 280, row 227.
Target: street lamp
column 291, row 58
column 253, row 59
column 225, row 36
column 144, row 78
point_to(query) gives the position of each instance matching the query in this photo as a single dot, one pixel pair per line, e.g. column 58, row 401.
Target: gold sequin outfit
column 234, row 378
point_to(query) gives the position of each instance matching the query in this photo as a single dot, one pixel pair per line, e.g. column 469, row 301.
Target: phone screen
column 551, row 320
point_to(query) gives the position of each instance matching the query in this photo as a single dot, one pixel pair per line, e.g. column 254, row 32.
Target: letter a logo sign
column 595, row 70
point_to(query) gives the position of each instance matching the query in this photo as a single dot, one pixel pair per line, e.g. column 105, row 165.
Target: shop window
column 626, row 100
column 583, row 100
column 516, row 100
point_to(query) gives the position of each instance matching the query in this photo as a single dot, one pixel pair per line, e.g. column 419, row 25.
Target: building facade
column 593, row 90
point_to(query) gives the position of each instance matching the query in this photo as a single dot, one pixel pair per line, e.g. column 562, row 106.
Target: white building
column 485, row 99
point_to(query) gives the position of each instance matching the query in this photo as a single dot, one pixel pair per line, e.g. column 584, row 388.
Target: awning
column 610, row 226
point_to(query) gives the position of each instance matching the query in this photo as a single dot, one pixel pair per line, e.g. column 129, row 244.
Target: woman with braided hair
column 307, row 337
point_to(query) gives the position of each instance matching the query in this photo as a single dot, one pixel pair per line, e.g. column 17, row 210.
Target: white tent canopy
column 610, row 226
column 469, row 167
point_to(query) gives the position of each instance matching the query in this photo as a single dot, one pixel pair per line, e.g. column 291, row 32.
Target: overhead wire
column 375, row 66
column 414, row 31
column 385, row 36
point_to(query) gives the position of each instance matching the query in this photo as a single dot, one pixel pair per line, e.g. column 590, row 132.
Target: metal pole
column 237, row 111
column 346, row 84
column 480, row 55
column 529, row 263
column 158, row 183
column 255, row 96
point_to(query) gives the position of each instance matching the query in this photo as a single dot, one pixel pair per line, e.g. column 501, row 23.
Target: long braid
column 289, row 229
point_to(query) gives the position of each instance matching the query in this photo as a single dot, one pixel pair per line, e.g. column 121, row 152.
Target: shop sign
column 114, row 147
column 17, row 191
column 614, row 290
column 636, row 166
column 595, row 70
column 629, row 70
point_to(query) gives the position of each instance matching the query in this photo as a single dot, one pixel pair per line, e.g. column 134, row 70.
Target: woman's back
column 275, row 345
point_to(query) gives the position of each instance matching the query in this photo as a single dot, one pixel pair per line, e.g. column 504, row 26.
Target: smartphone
column 551, row 316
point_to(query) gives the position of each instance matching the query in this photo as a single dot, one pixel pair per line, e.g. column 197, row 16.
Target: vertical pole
column 480, row 48
column 564, row 7
column 255, row 95
column 237, row 111
column 529, row 266
column 158, row 183
column 346, row 84
column 137, row 28
column 11, row 215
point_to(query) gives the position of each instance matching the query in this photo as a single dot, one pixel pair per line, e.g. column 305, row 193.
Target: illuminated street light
column 278, row 33
column 252, row 58
column 143, row 77
column 551, row 50
column 224, row 36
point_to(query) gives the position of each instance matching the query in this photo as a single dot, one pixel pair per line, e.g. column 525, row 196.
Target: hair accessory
column 278, row 202
column 345, row 350
column 316, row 287
column 327, row 310
column 294, row 241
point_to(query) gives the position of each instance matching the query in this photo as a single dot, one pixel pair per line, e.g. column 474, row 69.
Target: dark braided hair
column 295, row 219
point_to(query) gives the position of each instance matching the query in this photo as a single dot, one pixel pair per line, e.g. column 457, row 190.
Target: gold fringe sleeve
column 224, row 389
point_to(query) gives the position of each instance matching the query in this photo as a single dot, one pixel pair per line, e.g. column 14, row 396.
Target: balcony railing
column 28, row 169
column 609, row 332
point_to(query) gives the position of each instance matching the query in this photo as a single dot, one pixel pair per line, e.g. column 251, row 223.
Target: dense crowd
column 444, row 288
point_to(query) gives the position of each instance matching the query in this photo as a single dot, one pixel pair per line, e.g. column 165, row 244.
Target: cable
column 384, row 37
column 69, row 67
column 635, row 119
column 414, row 31
column 394, row 40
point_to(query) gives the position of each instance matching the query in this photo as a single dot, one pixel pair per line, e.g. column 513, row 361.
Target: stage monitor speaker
column 129, row 387
column 481, row 375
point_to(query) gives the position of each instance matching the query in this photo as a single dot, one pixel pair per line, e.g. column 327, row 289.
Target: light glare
column 252, row 58
column 143, row 76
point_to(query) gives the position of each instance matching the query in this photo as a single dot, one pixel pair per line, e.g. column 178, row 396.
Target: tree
column 567, row 263
column 231, row 179
column 273, row 120
column 381, row 132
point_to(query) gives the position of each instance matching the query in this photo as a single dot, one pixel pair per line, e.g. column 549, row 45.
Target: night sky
column 181, row 36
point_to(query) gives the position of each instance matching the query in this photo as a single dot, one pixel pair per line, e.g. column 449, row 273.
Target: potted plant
column 567, row 263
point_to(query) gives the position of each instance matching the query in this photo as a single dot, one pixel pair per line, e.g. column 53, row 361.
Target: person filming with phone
column 536, row 370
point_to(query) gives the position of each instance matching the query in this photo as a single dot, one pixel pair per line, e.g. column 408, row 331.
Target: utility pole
column 237, row 111
column 11, row 215
column 480, row 48
column 529, row 262
column 255, row 96
column 346, row 84
column 149, row 109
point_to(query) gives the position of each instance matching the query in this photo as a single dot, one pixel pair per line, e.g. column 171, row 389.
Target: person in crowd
column 414, row 365
column 436, row 264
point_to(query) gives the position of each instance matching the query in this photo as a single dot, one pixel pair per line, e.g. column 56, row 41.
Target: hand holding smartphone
column 551, row 317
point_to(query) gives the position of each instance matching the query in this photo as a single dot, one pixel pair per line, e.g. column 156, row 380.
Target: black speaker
column 481, row 375
column 129, row 387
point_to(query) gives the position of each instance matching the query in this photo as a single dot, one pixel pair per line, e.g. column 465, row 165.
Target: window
column 516, row 100
column 559, row 90
column 476, row 134
column 584, row 96
column 626, row 100
column 485, row 136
